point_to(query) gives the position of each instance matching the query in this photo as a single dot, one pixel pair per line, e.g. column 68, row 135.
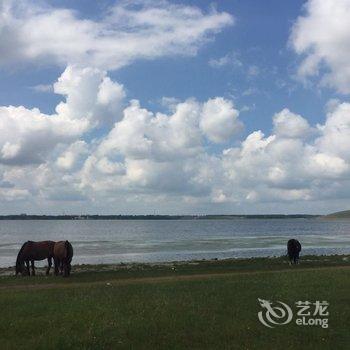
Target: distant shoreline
column 156, row 217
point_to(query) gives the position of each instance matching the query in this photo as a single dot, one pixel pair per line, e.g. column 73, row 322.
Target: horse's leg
column 49, row 261
column 33, row 268
column 64, row 268
column 27, row 267
column 57, row 262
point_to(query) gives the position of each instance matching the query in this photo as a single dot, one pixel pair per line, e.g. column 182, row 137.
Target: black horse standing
column 293, row 248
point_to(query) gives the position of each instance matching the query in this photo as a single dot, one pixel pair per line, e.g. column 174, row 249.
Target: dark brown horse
column 63, row 254
column 293, row 248
column 32, row 251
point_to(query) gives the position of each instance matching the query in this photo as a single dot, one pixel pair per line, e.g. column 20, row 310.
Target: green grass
column 209, row 305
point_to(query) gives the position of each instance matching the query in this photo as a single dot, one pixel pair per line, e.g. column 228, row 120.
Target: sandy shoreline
column 135, row 266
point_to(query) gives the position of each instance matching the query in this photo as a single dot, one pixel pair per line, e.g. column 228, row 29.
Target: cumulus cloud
column 143, row 151
column 143, row 134
column 26, row 136
column 91, row 99
column 289, row 124
column 128, row 31
column 90, row 94
column 145, row 155
column 71, row 156
column 322, row 37
column 219, row 120
column 142, row 154
column 335, row 131
column 161, row 153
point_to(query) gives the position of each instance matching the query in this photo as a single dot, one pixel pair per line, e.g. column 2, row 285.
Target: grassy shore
column 184, row 305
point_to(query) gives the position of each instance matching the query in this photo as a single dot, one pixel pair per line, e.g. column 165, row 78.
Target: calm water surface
column 163, row 240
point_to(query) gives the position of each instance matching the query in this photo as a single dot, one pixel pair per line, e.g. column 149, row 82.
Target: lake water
column 163, row 240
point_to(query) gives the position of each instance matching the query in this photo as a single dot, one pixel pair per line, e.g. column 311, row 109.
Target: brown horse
column 63, row 254
column 31, row 251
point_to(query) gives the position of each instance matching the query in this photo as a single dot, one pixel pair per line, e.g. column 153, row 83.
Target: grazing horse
column 294, row 248
column 31, row 251
column 63, row 253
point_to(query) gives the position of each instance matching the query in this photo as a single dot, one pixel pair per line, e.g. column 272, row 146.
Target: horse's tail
column 69, row 250
column 299, row 246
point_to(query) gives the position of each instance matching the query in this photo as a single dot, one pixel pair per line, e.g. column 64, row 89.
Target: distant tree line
column 153, row 217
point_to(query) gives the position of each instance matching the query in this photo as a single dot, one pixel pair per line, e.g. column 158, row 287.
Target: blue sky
column 258, row 38
column 246, row 66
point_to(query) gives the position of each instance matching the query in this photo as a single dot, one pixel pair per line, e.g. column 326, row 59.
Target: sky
column 174, row 107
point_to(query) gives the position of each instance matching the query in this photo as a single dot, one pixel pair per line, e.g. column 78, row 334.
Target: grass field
column 197, row 305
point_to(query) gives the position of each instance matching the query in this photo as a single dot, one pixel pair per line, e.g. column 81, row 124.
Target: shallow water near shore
column 115, row 241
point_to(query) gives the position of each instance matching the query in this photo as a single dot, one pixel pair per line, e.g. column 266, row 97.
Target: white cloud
column 322, row 36
column 327, row 165
column 141, row 134
column 148, row 155
column 219, row 120
column 283, row 167
column 141, row 157
column 231, row 59
column 289, row 124
column 9, row 194
column 42, row 88
column 91, row 99
column 27, row 136
column 336, row 132
column 72, row 155
column 128, row 31
column 90, row 95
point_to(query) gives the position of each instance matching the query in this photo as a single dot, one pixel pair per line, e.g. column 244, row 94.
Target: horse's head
column 19, row 268
column 20, row 260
